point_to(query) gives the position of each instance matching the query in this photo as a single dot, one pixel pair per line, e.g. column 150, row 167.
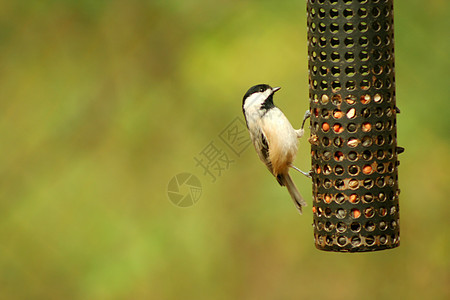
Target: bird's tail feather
column 292, row 189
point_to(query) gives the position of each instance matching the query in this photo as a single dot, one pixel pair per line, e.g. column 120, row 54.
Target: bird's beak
column 275, row 89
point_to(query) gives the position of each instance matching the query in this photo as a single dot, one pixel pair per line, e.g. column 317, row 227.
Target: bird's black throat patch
column 268, row 103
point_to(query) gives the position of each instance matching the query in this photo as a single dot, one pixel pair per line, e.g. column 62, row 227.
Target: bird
column 274, row 138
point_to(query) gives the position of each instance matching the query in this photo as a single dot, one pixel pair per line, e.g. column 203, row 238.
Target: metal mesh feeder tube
column 353, row 125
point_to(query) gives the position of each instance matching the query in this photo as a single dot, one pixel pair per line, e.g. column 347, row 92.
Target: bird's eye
column 261, row 90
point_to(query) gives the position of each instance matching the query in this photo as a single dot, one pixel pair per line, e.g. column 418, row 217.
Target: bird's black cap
column 259, row 88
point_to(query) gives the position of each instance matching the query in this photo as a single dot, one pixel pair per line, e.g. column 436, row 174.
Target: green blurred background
column 103, row 102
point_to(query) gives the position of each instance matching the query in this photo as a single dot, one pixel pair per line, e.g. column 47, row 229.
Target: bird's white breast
column 283, row 142
column 280, row 134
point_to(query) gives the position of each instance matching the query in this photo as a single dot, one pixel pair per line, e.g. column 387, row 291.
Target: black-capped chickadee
column 273, row 136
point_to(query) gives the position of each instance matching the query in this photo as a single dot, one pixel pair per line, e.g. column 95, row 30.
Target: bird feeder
column 353, row 125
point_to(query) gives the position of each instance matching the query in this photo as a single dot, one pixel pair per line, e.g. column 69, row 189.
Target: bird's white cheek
column 254, row 102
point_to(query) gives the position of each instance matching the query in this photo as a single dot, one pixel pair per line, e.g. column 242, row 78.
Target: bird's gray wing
column 262, row 147
column 261, row 144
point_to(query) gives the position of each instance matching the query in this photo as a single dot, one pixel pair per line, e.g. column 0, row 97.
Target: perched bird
column 273, row 136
